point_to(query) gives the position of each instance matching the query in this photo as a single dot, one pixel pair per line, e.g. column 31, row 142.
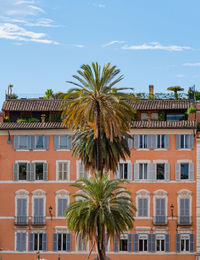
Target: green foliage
column 191, row 110
column 101, row 205
column 21, row 120
column 161, row 115
column 6, row 119
column 175, row 89
column 197, row 95
column 33, row 120
column 55, row 117
column 12, row 96
column 27, row 120
column 49, row 94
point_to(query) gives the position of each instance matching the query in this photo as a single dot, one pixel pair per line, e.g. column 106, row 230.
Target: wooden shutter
column 145, row 207
column 45, row 171
column 69, row 142
column 153, row 141
column 167, row 244
column 136, row 171
column 130, row 171
column 18, row 242
column 191, row 142
column 151, row 175
column 44, row 241
column 32, row 171
column 149, row 243
column 130, row 142
column 191, row 171
column 166, row 138
column 177, row 242
column 177, row 171
column 31, row 241
column 115, row 243
column 129, row 246
column 153, row 242
column 68, row 242
column 149, row 141
column 191, row 242
column 46, row 142
column 56, row 142
column 140, row 207
column 15, row 172
column 55, row 241
column 167, row 171
column 16, row 142
column 136, row 141
column 136, row 243
column 60, row 209
column 178, row 141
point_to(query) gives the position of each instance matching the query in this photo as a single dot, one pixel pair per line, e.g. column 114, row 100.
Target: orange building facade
column 37, row 168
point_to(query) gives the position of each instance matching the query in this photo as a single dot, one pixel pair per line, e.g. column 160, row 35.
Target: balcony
column 184, row 220
column 21, row 220
column 38, row 221
column 160, row 220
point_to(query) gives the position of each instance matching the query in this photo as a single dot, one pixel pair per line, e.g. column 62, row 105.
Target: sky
column 44, row 42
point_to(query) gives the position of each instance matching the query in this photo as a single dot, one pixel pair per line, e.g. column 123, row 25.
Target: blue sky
column 44, row 42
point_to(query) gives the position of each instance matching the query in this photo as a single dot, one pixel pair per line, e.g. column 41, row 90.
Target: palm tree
column 96, row 103
column 103, row 205
column 85, row 147
column 175, row 90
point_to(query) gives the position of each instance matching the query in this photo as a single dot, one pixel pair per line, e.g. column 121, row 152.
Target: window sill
column 160, row 149
column 143, row 149
column 21, row 150
column 184, row 149
column 39, row 150
column 63, row 150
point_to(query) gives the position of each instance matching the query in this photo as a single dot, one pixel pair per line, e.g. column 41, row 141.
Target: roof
column 55, row 104
column 136, row 125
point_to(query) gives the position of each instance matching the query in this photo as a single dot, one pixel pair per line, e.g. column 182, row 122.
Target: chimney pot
column 151, row 90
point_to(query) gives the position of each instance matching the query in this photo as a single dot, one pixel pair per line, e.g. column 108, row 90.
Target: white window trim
column 160, row 194
column 184, row 194
column 143, row 194
column 163, row 238
column 77, row 170
column 61, row 194
column 161, row 162
column 22, row 194
column 68, row 166
column 18, row 140
column 123, row 162
column 21, row 231
column 21, row 161
column 87, row 245
column 143, row 148
column 62, row 149
column 39, row 194
column 38, row 161
column 39, row 149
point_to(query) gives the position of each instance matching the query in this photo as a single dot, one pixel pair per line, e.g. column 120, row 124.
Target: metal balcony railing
column 21, row 220
column 39, row 220
column 184, row 220
column 160, row 220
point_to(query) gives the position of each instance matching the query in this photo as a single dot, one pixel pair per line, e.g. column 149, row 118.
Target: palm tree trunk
column 100, row 241
column 98, row 136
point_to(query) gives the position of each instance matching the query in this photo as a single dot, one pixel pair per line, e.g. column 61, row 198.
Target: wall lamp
column 50, row 211
column 38, row 255
column 172, row 210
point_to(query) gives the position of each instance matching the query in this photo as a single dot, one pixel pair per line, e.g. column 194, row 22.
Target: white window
column 143, row 243
column 144, row 116
column 63, row 142
column 184, row 141
column 185, row 242
column 38, row 241
column 123, row 171
column 160, row 243
column 123, row 245
column 160, row 171
column 143, row 171
column 62, row 241
column 62, row 201
column 184, row 168
column 80, row 170
column 142, row 207
column 143, row 141
column 63, row 170
column 21, row 171
column 161, row 141
column 81, row 245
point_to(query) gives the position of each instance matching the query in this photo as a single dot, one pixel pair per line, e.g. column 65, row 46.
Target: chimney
column 151, row 91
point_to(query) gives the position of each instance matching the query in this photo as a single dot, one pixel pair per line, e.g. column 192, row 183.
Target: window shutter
column 46, row 142
column 55, row 241
column 18, row 242
column 69, row 142
column 130, row 142
column 106, row 242
column 15, row 172
column 149, row 141
column 177, row 171
column 32, row 171
column 191, row 242
column 178, row 137
column 68, row 242
column 191, row 171
column 130, row 171
column 33, row 146
column 153, row 242
column 145, row 207
column 28, row 172
column 80, row 169
column 136, row 171
column 151, row 175
column 149, row 243
column 136, row 243
column 177, row 242
column 130, row 243
column 140, row 207
column 167, row 171
column 167, row 245
column 115, row 243
column 65, row 204
column 136, row 141
column 44, row 241
column 116, row 174
column 23, row 241
column 191, row 141
column 19, row 207
column 60, row 210
column 16, row 144
column 56, row 144
column 45, row 171
column 166, row 142
column 29, row 142
column 31, row 242
column 153, row 141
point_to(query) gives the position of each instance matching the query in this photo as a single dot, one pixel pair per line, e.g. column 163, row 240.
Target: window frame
column 143, row 141
column 185, row 237
column 21, row 231
column 39, row 194
column 142, row 237
column 78, row 237
column 68, row 170
column 144, row 165
column 160, row 237
column 61, row 194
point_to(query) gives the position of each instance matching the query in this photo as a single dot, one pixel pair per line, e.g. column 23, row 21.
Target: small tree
column 175, row 89
column 49, row 94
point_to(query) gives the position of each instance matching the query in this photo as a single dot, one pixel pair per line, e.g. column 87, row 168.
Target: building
column 37, row 168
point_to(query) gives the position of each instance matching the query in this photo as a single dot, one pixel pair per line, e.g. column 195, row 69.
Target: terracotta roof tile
column 164, row 124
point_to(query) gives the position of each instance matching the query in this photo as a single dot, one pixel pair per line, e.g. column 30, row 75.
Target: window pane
column 184, row 171
column 187, row 141
column 158, row 141
column 39, row 171
column 162, row 245
column 144, row 116
column 123, row 244
column 145, row 244
column 140, row 171
column 125, row 171
column 64, row 241
column 182, row 245
column 160, row 171
column 23, row 141
column 35, row 241
column 162, row 141
column 121, row 170
column 145, row 171
column 182, row 141
column 158, row 245
column 145, row 141
column 39, row 141
column 187, row 245
column 141, row 141
column 40, row 241
column 140, row 244
column 22, row 171
column 59, row 242
column 63, row 141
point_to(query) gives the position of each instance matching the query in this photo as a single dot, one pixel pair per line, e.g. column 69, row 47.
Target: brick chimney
column 151, row 90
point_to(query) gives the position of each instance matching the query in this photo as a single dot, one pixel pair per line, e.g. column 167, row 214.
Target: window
column 184, row 141
column 63, row 170
column 62, row 205
column 143, row 243
column 62, row 242
column 142, row 207
column 123, row 245
column 144, row 116
column 21, row 241
column 39, row 142
column 143, row 141
column 81, row 245
column 160, row 211
column 184, row 171
column 160, row 243
column 39, row 171
column 37, row 241
column 185, row 242
column 175, row 117
column 38, row 211
column 154, row 116
column 123, row 171
column 21, row 211
column 23, row 171
column 81, row 172
column 62, row 142
column 184, row 211
column 143, row 171
column 160, row 172
column 161, row 141
column 22, row 142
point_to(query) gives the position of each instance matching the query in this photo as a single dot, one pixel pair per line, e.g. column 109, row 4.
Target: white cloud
column 156, row 46
column 113, row 42
column 197, row 64
column 180, row 75
column 14, row 32
column 101, row 5
column 78, row 45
